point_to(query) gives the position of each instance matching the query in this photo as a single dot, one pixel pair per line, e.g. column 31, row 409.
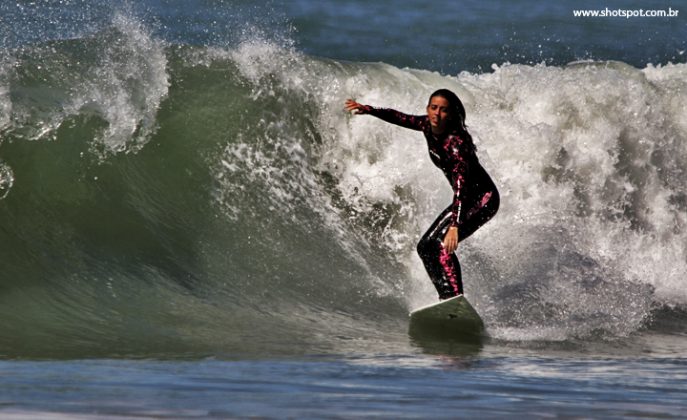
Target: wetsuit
column 475, row 197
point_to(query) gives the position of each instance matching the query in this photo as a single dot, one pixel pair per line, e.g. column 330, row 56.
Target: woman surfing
column 475, row 197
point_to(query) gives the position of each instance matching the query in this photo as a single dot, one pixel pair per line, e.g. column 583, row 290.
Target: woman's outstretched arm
column 414, row 122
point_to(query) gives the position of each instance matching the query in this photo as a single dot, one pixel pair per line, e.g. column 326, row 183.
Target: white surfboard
column 452, row 317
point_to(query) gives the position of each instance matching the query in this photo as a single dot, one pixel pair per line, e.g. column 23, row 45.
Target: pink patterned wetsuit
column 475, row 198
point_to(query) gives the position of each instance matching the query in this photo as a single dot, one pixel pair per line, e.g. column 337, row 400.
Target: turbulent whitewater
column 154, row 198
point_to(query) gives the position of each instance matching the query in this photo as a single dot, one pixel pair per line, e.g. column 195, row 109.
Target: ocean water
column 192, row 227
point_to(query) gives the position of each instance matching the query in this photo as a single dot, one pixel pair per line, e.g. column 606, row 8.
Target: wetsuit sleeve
column 458, row 172
column 455, row 208
column 414, row 122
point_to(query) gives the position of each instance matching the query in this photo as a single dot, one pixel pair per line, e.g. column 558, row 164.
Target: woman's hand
column 353, row 106
column 451, row 239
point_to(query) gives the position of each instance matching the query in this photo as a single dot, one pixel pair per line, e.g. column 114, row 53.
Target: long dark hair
column 457, row 111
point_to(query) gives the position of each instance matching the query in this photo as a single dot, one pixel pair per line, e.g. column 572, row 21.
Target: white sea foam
column 273, row 155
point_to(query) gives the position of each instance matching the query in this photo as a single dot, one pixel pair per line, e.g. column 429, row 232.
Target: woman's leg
column 444, row 268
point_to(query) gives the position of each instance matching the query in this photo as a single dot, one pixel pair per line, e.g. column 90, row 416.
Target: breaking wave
column 165, row 199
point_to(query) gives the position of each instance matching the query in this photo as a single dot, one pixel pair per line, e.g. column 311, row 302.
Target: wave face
column 169, row 200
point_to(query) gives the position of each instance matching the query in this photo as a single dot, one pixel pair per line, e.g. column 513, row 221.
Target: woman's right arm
column 414, row 122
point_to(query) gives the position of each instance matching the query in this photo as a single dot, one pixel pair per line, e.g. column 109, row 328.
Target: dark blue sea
column 192, row 227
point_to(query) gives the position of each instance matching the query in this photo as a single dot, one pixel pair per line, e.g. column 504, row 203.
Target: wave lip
column 118, row 76
column 127, row 86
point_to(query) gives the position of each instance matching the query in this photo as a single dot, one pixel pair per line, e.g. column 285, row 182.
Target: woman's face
column 439, row 114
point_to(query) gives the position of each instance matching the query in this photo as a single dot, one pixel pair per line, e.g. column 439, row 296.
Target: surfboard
column 451, row 318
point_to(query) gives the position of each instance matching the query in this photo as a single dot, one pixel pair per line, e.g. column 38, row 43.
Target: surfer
column 475, row 197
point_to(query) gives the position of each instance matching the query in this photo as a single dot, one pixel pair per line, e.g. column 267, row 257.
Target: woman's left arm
column 458, row 172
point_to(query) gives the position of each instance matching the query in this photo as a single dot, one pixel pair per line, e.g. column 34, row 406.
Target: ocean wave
column 166, row 199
